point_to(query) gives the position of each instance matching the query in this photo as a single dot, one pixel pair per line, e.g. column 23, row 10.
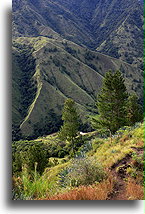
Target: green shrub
column 28, row 152
column 96, row 144
column 89, row 55
column 138, row 161
column 73, row 52
column 132, row 172
column 30, row 185
column 82, row 171
column 56, row 62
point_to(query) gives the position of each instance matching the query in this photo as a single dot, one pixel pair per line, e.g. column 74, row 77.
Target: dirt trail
column 118, row 192
column 118, row 171
column 139, row 151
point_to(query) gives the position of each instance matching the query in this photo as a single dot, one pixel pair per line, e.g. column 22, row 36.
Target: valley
column 77, row 100
column 62, row 70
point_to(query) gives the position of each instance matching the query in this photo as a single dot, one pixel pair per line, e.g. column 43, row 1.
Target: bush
column 82, row 171
column 70, row 50
column 96, row 144
column 30, row 185
column 28, row 152
column 89, row 55
column 56, row 62
column 138, row 161
column 84, row 149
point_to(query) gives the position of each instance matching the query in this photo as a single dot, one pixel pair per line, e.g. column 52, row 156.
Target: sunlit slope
column 113, row 27
column 62, row 70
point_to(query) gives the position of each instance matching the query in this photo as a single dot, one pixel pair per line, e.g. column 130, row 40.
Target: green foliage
column 16, row 133
column 138, row 161
column 134, row 110
column 70, row 77
column 136, row 168
column 24, row 84
column 63, row 173
column 50, row 124
column 56, row 62
column 82, row 171
column 70, row 50
column 111, row 102
column 86, row 147
column 27, row 84
column 40, row 151
column 81, row 27
column 89, row 55
column 56, row 161
column 30, row 185
column 70, row 119
column 28, row 152
column 131, row 171
column 97, row 144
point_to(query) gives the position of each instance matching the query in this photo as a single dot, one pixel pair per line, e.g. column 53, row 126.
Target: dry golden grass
column 124, row 138
column 94, row 192
column 134, row 191
column 140, row 143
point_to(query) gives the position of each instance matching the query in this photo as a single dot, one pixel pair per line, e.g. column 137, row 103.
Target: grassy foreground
column 102, row 169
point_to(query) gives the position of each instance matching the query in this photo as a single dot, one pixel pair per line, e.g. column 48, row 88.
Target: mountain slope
column 56, row 70
column 47, row 18
column 101, row 25
column 126, row 42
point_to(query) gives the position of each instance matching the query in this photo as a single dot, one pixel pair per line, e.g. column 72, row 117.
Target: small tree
column 28, row 153
column 134, row 110
column 70, row 125
column 111, row 103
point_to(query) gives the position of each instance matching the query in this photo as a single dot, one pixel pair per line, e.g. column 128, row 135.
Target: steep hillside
column 62, row 49
column 47, row 71
column 126, row 41
column 112, row 27
column 110, row 169
column 48, row 18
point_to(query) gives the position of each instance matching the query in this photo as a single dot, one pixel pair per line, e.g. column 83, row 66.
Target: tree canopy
column 111, row 102
column 134, row 110
column 70, row 119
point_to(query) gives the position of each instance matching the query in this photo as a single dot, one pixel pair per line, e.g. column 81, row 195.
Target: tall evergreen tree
column 134, row 110
column 70, row 125
column 111, row 103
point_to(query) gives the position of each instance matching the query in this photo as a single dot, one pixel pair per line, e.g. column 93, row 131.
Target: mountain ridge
column 62, row 70
column 83, row 22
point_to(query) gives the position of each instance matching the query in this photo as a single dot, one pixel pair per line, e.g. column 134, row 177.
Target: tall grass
column 109, row 153
column 98, row 191
column 134, row 191
column 84, row 178
column 31, row 185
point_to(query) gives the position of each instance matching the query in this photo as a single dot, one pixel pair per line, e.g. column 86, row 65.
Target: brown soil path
column 119, row 175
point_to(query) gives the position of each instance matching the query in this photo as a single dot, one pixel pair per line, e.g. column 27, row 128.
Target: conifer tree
column 111, row 103
column 70, row 125
column 134, row 110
